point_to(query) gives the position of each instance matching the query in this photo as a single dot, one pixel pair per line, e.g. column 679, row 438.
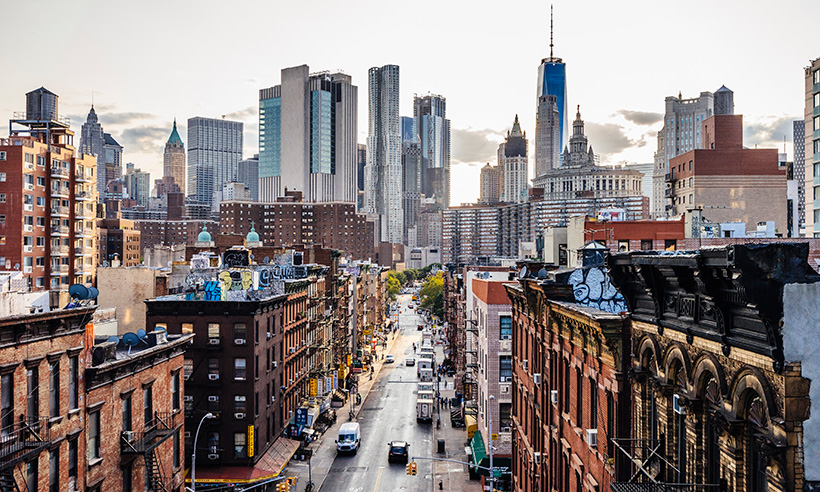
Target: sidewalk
column 324, row 448
column 452, row 476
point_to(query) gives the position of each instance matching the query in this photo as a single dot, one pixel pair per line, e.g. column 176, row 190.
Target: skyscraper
column 681, row 133
column 383, row 173
column 247, row 173
column 173, row 160
column 492, row 182
column 113, row 158
column 307, row 136
column 411, row 164
column 138, row 185
column 92, row 142
column 214, row 150
column 812, row 146
column 433, row 131
column 513, row 161
column 799, row 141
column 552, row 81
column 407, row 133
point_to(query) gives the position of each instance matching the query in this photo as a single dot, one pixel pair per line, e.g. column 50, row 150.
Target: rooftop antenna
column 550, row 30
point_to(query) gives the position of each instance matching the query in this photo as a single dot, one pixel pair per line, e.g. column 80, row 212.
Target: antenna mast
column 550, row 30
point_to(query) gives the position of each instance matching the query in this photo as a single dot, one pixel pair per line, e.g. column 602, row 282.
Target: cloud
column 640, row 117
column 123, row 118
column 475, row 145
column 147, row 139
column 248, row 113
column 768, row 131
column 608, row 138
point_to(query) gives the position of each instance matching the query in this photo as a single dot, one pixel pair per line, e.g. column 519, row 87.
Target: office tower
column 361, row 161
column 433, row 131
column 47, row 199
column 724, row 101
column 411, row 163
column 812, row 146
column 407, row 128
column 307, row 136
column 138, row 185
column 492, row 184
column 113, row 158
column 512, row 159
column 799, row 141
column 247, row 172
column 552, row 81
column 92, row 142
column 383, row 176
column 681, row 133
column 173, row 160
column 214, row 150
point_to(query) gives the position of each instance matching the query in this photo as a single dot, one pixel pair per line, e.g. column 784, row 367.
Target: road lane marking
column 378, row 479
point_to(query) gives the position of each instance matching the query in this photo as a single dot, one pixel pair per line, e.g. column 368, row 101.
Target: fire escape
column 145, row 443
column 19, row 443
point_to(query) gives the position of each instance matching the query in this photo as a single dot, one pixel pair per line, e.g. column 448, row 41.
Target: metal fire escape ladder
column 7, row 482
column 153, row 473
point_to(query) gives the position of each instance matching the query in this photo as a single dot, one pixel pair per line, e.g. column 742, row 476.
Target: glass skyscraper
column 552, row 81
column 270, row 142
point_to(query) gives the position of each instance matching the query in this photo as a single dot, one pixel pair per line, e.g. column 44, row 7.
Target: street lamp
column 208, row 415
column 490, row 425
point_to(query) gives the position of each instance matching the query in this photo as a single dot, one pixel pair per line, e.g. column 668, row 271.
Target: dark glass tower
column 552, row 81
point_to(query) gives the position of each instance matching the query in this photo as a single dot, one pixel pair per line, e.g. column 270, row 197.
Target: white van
column 349, row 438
column 427, row 387
column 426, row 375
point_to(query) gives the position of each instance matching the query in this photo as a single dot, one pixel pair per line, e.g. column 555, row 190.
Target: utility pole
column 490, row 429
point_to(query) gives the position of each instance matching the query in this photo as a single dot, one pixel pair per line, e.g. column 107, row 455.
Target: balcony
column 82, row 252
column 57, row 270
column 59, row 211
column 82, row 232
column 59, row 250
column 83, row 177
column 59, row 191
column 82, row 213
column 59, row 171
column 83, row 195
column 22, row 441
column 160, row 428
column 59, row 231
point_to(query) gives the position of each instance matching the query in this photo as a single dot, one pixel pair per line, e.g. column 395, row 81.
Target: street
column 388, row 414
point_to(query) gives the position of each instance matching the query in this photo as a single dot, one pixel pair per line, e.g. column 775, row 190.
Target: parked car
column 398, row 451
column 410, row 361
column 389, row 359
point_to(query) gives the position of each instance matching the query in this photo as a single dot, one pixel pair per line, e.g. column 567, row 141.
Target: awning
column 269, row 466
column 501, row 464
column 472, row 427
column 477, row 448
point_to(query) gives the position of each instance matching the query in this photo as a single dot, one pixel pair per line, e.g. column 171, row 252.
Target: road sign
column 495, row 437
column 301, row 416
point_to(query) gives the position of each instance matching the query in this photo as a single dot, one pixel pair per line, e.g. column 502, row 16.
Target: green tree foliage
column 393, row 287
column 432, row 294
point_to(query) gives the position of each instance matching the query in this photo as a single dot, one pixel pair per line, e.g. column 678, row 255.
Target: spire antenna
column 550, row 30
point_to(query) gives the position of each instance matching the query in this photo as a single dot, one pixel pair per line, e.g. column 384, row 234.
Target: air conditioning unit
column 213, row 341
column 273, row 364
column 505, row 389
column 537, row 458
column 269, row 335
column 505, row 346
column 525, row 364
column 213, row 398
column 186, row 377
column 239, row 341
column 676, row 405
column 536, row 378
column 187, row 434
column 127, row 436
column 213, row 377
column 292, row 350
column 29, row 186
column 272, row 398
column 290, row 381
column 554, row 397
column 213, row 456
column 239, row 416
column 189, row 398
column 508, row 379
column 592, row 437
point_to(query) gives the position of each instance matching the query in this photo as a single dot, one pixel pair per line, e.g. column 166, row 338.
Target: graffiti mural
column 235, row 283
column 235, row 258
column 593, row 287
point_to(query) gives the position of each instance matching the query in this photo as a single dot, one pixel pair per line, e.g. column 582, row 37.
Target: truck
column 349, row 438
column 426, row 375
column 424, row 363
column 424, row 409
column 429, row 386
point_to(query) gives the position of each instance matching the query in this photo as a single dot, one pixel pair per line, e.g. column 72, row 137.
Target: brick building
column 120, row 240
column 47, row 199
column 720, row 367
column 171, row 232
column 133, row 406
column 571, row 396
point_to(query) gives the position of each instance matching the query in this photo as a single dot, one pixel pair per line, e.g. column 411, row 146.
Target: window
column 239, row 365
column 188, row 368
column 610, row 416
column 816, row 77
column 176, row 449
column 175, row 390
column 187, row 328
column 126, row 412
column 54, row 470
column 148, row 405
column 6, row 403
column 239, row 440
column 41, row 201
column 54, row 390
column 127, row 477
column 31, row 474
column 239, row 332
column 566, row 387
column 240, row 404
column 213, row 330
column 213, row 442
column 72, row 461
column 73, row 383
column 94, row 435
column 2, row 177
column 505, row 323
column 33, row 392
column 579, row 398
column 2, row 155
column 593, row 404
column 213, row 404
column 2, row 198
column 505, row 368
column 505, row 417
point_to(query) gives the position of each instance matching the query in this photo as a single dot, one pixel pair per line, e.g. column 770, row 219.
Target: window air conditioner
column 189, row 398
column 213, row 456
column 213, row 341
column 239, row 416
column 676, row 405
column 536, row 378
column 272, row 398
column 239, row 341
column 213, row 377
column 273, row 364
column 213, row 398
column 592, row 437
column 524, row 364
column 554, row 397
column 187, row 434
column 537, row 458
column 127, row 436
column 292, row 350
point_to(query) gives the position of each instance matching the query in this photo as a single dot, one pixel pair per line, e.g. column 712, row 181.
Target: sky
column 148, row 62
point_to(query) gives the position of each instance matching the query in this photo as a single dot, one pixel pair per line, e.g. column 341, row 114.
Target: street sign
column 495, row 437
column 250, row 442
column 301, row 416
column 313, row 387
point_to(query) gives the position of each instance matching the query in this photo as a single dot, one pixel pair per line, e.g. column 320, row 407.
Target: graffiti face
column 592, row 287
column 235, row 259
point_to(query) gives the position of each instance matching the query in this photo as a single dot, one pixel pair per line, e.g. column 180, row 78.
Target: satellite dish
column 131, row 340
column 114, row 339
column 523, row 272
column 93, row 292
column 78, row 291
column 159, row 328
column 542, row 273
column 266, row 260
column 140, row 334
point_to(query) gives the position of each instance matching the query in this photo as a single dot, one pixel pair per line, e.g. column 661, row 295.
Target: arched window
column 756, row 423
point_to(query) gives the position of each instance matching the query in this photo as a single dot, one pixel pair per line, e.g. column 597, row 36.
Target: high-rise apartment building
column 492, row 183
column 138, row 185
column 407, row 132
column 681, row 133
column 113, row 158
column 411, row 164
column 513, row 161
column 432, row 129
column 552, row 81
column 799, row 170
column 812, row 146
column 307, row 136
column 383, row 173
column 214, row 151
column 173, row 160
column 93, row 141
column 247, row 172
column 47, row 199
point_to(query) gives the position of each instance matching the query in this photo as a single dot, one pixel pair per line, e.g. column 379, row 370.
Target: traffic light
column 409, row 468
column 414, row 469
column 283, row 487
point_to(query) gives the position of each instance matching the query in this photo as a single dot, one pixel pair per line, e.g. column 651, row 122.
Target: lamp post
column 490, row 446
column 208, row 415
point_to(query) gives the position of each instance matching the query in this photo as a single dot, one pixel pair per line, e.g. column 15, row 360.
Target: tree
column 432, row 294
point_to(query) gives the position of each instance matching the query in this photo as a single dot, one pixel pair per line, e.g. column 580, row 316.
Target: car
column 389, row 359
column 410, row 362
column 398, row 451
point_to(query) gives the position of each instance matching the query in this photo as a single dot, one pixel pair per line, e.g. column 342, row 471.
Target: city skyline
column 624, row 113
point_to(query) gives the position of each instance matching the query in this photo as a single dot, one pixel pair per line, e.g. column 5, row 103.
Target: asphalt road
column 388, row 414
